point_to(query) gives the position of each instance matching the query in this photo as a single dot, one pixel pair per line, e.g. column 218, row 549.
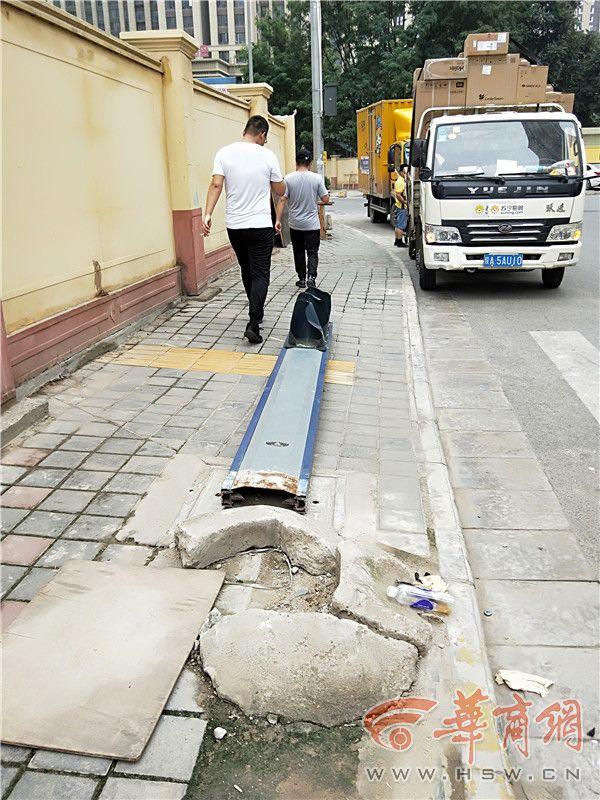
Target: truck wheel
column 412, row 248
column 378, row 216
column 552, row 278
column 427, row 277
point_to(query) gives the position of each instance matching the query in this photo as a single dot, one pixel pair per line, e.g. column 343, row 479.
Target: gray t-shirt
column 303, row 190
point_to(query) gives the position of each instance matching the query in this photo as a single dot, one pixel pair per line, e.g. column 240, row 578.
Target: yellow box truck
column 382, row 131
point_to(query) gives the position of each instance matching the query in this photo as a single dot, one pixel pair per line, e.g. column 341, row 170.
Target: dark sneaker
column 252, row 334
column 301, row 284
column 311, row 283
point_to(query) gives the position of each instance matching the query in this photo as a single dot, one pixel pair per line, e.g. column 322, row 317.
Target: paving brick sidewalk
column 71, row 484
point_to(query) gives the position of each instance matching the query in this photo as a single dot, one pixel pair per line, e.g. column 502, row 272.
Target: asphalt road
column 503, row 311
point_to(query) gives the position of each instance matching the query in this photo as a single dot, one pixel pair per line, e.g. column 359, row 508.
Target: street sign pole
column 317, row 85
column 248, row 9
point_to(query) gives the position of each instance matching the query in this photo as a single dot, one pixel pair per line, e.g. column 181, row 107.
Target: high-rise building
column 588, row 15
column 219, row 26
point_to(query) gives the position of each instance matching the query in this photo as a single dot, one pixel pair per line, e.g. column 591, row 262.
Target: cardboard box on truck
column 434, row 94
column 492, row 80
column 566, row 100
column 531, row 84
column 442, row 68
column 477, row 44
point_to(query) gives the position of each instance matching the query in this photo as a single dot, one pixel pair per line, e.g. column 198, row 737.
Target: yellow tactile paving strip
column 196, row 359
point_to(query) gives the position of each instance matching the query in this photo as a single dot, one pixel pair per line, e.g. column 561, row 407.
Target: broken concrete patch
column 212, row 537
column 306, row 667
column 365, row 573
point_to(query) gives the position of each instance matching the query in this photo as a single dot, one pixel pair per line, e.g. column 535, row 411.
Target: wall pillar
column 258, row 94
column 176, row 49
column 8, row 380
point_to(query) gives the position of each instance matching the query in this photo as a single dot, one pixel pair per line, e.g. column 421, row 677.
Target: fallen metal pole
column 276, row 453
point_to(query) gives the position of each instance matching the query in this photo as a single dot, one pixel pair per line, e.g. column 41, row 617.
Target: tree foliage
column 370, row 49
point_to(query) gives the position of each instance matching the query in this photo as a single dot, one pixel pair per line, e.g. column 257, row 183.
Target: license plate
column 503, row 260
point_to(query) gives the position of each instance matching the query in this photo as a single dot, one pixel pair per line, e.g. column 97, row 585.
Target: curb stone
column 467, row 649
column 21, row 415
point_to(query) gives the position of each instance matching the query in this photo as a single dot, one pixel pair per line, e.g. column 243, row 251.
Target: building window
column 70, row 7
column 263, row 8
column 222, row 22
column 113, row 17
column 278, row 7
column 188, row 17
column 126, row 16
column 224, row 54
column 170, row 14
column 239, row 19
column 87, row 12
column 100, row 15
column 140, row 15
column 154, row 15
column 205, row 21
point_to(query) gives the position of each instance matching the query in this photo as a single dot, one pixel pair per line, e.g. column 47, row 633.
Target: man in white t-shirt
column 249, row 171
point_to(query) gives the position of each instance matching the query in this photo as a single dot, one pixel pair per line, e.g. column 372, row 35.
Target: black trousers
column 306, row 243
column 253, row 248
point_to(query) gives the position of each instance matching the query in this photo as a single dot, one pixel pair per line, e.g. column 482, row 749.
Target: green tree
column 282, row 59
column 370, row 51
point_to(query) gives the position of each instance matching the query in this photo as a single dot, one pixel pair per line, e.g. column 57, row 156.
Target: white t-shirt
column 248, row 169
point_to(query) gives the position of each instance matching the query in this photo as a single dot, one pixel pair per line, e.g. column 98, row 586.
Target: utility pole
column 317, row 84
column 248, row 10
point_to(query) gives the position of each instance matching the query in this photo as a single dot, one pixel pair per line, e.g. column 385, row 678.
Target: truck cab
column 497, row 191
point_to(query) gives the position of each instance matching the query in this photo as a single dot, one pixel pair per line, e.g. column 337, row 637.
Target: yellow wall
column 84, row 167
column 342, row 172
column 103, row 139
column 230, row 114
column 591, row 141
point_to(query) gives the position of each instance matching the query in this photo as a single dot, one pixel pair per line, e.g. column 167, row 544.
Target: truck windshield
column 509, row 148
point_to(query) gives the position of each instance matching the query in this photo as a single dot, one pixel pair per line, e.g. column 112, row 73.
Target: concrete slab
column 126, row 629
column 7, row 775
column 258, row 659
column 10, row 610
column 365, row 573
column 497, row 473
column 24, row 550
column 486, row 444
column 539, row 613
column 509, row 510
column 53, row 787
column 154, row 521
column 573, row 670
column 135, row 789
column 171, row 752
column 477, row 419
column 527, row 555
column 466, row 397
column 555, row 771
column 69, row 762
column 209, row 538
column 185, row 693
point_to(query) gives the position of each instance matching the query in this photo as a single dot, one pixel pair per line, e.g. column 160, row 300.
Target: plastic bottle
column 420, row 598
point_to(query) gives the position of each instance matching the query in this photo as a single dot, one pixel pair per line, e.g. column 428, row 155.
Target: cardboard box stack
column 485, row 73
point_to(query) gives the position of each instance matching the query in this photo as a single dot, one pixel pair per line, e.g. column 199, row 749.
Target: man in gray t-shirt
column 303, row 191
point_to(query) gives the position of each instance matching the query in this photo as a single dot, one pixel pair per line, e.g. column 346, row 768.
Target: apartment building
column 219, row 26
column 588, row 15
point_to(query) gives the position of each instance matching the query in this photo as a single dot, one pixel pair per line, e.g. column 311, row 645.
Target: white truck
column 496, row 189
